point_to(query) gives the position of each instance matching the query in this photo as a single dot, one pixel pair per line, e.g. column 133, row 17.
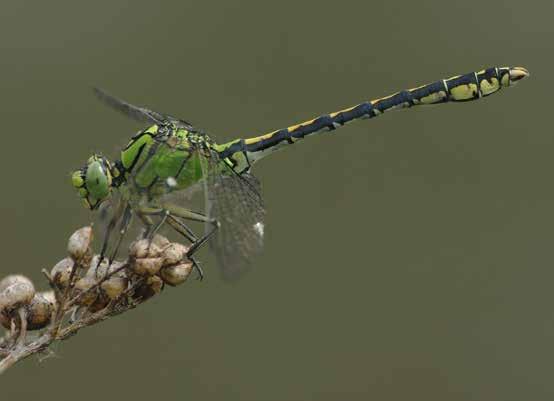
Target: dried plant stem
column 84, row 297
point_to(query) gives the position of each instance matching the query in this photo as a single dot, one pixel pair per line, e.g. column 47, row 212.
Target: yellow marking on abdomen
column 259, row 138
column 489, row 87
column 464, row 92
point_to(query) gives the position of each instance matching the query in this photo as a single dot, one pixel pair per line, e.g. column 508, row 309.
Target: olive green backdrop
column 408, row 257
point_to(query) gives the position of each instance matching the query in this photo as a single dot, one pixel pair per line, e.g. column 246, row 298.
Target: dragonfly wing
column 236, row 202
column 141, row 114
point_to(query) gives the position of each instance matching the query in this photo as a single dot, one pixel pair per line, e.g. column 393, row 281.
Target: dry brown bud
column 152, row 285
column 115, row 283
column 15, row 291
column 160, row 241
column 13, row 279
column 114, row 286
column 174, row 253
column 39, row 312
column 144, row 248
column 176, row 274
column 100, row 303
column 147, row 266
column 5, row 319
column 78, row 245
column 83, row 285
column 97, row 270
column 61, row 272
column 50, row 296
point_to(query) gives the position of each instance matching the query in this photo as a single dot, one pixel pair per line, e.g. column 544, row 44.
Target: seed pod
column 83, row 285
column 50, row 296
column 96, row 270
column 147, row 266
column 16, row 291
column 13, row 279
column 160, row 241
column 144, row 248
column 5, row 319
column 176, row 274
column 114, row 287
column 115, row 284
column 61, row 272
column 39, row 312
column 174, row 253
column 78, row 245
column 152, row 285
column 99, row 303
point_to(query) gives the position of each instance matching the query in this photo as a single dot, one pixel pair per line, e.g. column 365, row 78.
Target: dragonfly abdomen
column 460, row 88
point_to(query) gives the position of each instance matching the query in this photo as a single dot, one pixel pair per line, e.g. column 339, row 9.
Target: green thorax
column 165, row 158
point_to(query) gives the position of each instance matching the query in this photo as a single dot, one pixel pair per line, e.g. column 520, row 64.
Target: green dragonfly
column 172, row 157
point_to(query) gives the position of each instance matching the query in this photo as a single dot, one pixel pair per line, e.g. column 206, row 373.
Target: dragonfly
column 171, row 157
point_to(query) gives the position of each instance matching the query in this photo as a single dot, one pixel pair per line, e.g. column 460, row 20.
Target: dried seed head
column 78, row 245
column 147, row 266
column 174, row 253
column 5, row 319
column 16, row 291
column 96, row 270
column 144, row 248
column 13, row 279
column 83, row 285
column 114, row 286
column 101, row 271
column 50, row 296
column 176, row 274
column 160, row 241
column 39, row 312
column 152, row 285
column 99, row 303
column 61, row 272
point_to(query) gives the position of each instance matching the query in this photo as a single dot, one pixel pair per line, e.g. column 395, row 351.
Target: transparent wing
column 137, row 113
column 236, row 202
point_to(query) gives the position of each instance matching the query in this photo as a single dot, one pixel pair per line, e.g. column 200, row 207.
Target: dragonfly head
column 93, row 181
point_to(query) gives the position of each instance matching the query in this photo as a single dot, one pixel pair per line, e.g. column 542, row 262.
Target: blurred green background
column 408, row 257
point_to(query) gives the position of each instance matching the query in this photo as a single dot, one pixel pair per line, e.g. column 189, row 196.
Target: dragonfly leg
column 181, row 228
column 197, row 267
column 152, row 228
column 147, row 221
column 109, row 229
column 194, row 216
column 123, row 226
column 173, row 215
column 156, row 227
column 186, row 232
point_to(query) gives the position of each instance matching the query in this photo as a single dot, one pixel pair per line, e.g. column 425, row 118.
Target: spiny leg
column 194, row 216
column 145, row 214
column 147, row 221
column 152, row 230
column 123, row 226
column 109, row 229
column 181, row 228
column 172, row 215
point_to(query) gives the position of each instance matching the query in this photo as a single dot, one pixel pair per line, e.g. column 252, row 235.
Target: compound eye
column 78, row 179
column 98, row 180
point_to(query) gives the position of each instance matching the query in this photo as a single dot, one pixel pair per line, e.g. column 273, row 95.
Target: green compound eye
column 98, row 180
column 93, row 182
column 77, row 179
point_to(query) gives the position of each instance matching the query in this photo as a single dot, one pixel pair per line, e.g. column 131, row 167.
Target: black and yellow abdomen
column 460, row 88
